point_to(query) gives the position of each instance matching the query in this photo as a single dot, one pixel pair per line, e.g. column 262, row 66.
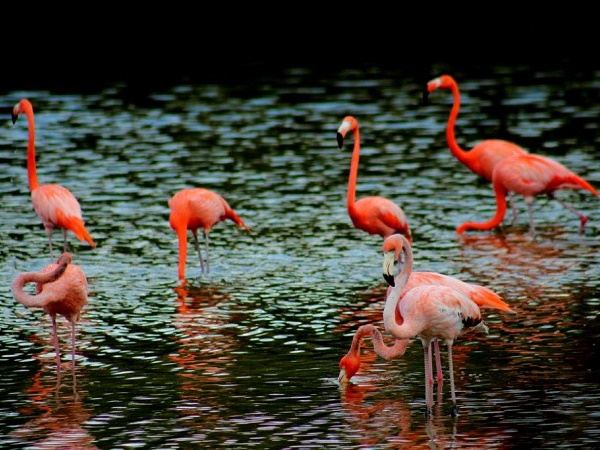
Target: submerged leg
column 451, row 369
column 207, row 256
column 428, row 378
column 195, row 234
column 55, row 341
column 529, row 202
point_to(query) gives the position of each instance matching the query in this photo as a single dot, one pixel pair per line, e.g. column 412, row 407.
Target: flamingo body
column 198, row 208
column 374, row 214
column 61, row 289
column 54, row 204
column 531, row 176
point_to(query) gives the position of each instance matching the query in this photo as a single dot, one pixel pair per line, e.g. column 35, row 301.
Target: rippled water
column 247, row 356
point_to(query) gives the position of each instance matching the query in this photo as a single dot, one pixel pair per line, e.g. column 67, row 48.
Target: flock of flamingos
column 425, row 305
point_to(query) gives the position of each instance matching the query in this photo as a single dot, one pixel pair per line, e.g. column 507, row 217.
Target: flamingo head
column 349, row 365
column 348, row 124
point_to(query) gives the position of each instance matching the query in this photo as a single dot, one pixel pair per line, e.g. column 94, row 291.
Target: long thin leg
column 207, row 257
column 451, row 369
column 529, row 202
column 49, row 234
column 511, row 199
column 428, row 377
column 583, row 219
column 438, row 363
column 197, row 245
column 55, row 341
column 73, row 343
column 65, row 245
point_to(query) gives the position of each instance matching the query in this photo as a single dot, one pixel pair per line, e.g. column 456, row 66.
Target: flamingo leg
column 195, row 234
column 428, row 378
column 65, row 245
column 55, row 341
column 73, row 343
column 438, row 363
column 49, row 234
column 207, row 257
column 529, row 202
column 511, row 200
column 451, row 369
column 583, row 219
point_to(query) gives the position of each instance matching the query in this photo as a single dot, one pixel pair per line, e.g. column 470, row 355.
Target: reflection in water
column 58, row 412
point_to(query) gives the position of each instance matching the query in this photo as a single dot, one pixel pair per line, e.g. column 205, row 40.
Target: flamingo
column 427, row 311
column 374, row 214
column 531, row 176
column 482, row 296
column 62, row 289
column 194, row 208
column 54, row 204
column 484, row 156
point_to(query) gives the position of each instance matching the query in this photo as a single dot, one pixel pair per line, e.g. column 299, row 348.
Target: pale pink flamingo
column 194, row 208
column 54, row 204
column 428, row 312
column 483, row 157
column 482, row 296
column 531, row 176
column 373, row 214
column 62, row 288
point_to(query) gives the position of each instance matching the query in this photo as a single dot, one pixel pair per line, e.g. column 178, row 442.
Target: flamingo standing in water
column 54, row 204
column 427, row 311
column 374, row 214
column 483, row 157
column 194, row 208
column 531, row 176
column 482, row 296
column 62, row 289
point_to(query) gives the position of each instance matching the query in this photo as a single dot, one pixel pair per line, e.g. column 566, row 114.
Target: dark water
column 247, row 356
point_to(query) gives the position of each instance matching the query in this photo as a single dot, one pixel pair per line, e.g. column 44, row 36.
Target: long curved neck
column 31, row 167
column 391, row 352
column 18, row 285
column 459, row 153
column 399, row 331
column 351, row 197
column 494, row 221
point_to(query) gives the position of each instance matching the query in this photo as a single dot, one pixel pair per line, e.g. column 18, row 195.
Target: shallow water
column 247, row 356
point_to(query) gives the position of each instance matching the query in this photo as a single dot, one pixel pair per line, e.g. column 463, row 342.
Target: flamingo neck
column 351, row 197
column 494, row 221
column 31, row 167
column 17, row 287
column 462, row 155
column 392, row 326
column 393, row 351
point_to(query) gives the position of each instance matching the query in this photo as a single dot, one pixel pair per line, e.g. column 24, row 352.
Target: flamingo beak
column 388, row 268
column 339, row 137
column 342, row 377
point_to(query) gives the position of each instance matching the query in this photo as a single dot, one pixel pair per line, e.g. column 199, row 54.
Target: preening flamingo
column 373, row 214
column 482, row 296
column 54, row 204
column 484, row 156
column 62, row 288
column 194, row 208
column 530, row 175
column 428, row 311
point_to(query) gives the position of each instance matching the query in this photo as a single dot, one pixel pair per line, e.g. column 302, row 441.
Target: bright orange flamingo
column 62, row 288
column 428, row 312
column 484, row 156
column 374, row 214
column 194, row 208
column 531, row 176
column 482, row 296
column 54, row 204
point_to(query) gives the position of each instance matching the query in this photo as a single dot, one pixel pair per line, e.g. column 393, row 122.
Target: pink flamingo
column 428, row 312
column 482, row 296
column 62, row 288
column 484, row 156
column 194, row 208
column 54, row 204
column 531, row 176
column 374, row 214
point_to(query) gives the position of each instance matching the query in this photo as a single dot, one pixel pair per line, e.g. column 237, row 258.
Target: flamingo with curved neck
column 54, row 204
column 61, row 289
column 531, row 176
column 429, row 311
column 373, row 214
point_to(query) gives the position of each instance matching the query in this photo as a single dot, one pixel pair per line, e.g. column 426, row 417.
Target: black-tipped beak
column 14, row 117
column 339, row 137
column 389, row 279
